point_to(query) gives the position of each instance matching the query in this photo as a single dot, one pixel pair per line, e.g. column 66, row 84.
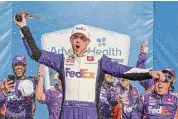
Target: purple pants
column 78, row 110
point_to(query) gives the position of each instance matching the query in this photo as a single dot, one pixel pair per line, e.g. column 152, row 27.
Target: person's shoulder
column 48, row 92
column 54, row 92
column 147, row 94
column 172, row 97
column 174, row 94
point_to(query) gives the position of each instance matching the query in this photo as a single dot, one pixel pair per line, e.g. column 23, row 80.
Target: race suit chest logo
column 169, row 101
column 83, row 73
column 127, row 109
column 69, row 61
column 152, row 110
column 152, row 101
column 90, row 58
column 161, row 110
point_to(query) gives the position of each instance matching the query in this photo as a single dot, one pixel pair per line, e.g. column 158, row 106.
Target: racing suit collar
column 20, row 78
column 72, row 55
column 82, row 55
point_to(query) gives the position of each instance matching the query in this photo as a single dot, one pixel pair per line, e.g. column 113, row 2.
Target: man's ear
column 88, row 41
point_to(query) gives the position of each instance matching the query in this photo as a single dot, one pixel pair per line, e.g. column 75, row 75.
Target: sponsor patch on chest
column 69, row 61
column 83, row 73
column 90, row 58
column 159, row 110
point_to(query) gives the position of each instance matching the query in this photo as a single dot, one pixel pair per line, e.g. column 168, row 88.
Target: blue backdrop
column 152, row 21
column 165, row 36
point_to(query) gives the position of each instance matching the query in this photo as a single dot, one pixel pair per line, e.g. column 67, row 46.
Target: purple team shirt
column 53, row 99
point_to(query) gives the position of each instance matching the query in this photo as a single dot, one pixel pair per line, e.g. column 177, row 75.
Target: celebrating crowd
column 102, row 91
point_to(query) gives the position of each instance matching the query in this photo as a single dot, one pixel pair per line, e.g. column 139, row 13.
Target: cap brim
column 20, row 63
column 168, row 72
column 79, row 33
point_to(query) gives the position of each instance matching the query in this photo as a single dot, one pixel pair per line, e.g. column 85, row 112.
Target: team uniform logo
column 69, row 61
column 152, row 101
column 165, row 111
column 127, row 109
column 162, row 110
column 169, row 101
column 83, row 73
column 90, row 58
column 80, row 28
column 154, row 110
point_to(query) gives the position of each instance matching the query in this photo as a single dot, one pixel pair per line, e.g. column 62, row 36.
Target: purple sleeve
column 51, row 60
column 141, row 63
column 122, row 71
column 47, row 96
column 111, row 97
column 137, row 111
column 113, row 68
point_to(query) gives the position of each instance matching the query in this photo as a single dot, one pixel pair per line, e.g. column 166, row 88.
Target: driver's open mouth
column 77, row 46
column 160, row 87
column 19, row 70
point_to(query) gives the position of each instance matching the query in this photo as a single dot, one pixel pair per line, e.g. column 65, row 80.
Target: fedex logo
column 83, row 73
column 127, row 109
column 152, row 110
column 162, row 110
column 80, row 28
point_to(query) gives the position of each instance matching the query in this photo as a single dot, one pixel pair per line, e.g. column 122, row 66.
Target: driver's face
column 79, row 43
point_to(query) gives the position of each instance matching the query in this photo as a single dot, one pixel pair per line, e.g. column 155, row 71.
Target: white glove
column 26, row 88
